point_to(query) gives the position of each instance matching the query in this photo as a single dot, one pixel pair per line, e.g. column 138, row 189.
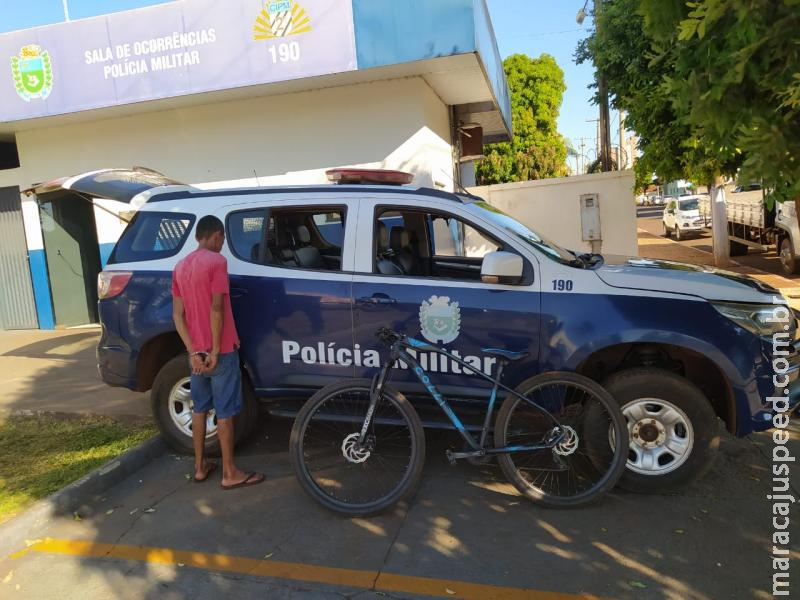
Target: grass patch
column 42, row 454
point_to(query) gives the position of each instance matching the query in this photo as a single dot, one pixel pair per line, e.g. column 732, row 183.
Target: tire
column 301, row 449
column 738, row 249
column 601, row 406
column 696, row 429
column 789, row 263
column 678, row 235
column 667, row 232
column 171, row 387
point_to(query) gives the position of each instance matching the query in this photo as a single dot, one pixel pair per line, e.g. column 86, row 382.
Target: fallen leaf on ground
column 268, row 555
column 603, row 529
column 637, row 584
column 449, row 591
column 76, row 516
column 704, row 511
column 681, row 531
column 109, row 511
column 150, row 510
column 754, row 478
column 135, row 510
column 7, row 578
column 695, row 518
column 188, row 475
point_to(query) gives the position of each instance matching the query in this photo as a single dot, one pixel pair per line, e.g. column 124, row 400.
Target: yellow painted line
column 386, row 582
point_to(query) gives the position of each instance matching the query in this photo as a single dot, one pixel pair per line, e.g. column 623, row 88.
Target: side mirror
column 501, row 267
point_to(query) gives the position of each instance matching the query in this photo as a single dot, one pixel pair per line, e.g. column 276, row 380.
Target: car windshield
column 511, row 225
column 689, row 204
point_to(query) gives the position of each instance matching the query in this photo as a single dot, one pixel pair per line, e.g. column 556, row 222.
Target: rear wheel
column 348, row 478
column 672, row 426
column 171, row 403
column 590, row 459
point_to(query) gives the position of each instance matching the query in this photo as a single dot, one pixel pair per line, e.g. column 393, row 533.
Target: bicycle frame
column 399, row 352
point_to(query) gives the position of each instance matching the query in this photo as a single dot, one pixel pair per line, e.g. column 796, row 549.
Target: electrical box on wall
column 590, row 218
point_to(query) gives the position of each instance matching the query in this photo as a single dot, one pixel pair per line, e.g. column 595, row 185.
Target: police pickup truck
column 315, row 270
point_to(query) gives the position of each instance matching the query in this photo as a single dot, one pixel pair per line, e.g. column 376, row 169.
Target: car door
column 294, row 318
column 669, row 215
column 443, row 300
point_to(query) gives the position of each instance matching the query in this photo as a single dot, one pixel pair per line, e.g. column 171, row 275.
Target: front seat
column 405, row 257
column 307, row 256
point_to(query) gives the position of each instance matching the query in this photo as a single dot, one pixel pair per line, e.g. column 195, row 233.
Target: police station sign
column 173, row 49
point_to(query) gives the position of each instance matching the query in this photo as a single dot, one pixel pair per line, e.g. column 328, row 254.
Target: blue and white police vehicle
column 315, row 270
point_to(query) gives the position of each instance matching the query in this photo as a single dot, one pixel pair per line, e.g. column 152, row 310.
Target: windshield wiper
column 587, row 261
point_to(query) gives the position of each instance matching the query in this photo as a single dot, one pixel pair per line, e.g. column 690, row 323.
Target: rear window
column 152, row 235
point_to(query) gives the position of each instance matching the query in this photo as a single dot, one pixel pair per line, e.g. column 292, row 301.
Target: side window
column 416, row 243
column 151, row 236
column 452, row 237
column 297, row 237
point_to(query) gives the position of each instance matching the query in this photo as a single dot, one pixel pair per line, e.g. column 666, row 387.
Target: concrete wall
column 551, row 207
column 271, row 140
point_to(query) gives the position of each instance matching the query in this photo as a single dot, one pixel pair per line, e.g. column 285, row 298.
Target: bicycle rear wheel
column 343, row 477
column 588, row 461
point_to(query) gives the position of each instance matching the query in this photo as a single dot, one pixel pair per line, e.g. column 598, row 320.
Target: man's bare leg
column 201, row 465
column 231, row 474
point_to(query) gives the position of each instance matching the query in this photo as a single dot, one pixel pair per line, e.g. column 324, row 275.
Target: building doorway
column 73, row 257
column 17, row 304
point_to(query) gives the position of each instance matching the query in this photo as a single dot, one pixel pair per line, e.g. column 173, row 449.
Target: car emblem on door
column 440, row 319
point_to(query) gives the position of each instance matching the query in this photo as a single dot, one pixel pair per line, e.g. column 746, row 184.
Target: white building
column 243, row 91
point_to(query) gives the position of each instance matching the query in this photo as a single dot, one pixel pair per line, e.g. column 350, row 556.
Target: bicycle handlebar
column 387, row 335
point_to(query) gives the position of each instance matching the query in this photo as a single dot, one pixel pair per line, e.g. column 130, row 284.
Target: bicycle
column 358, row 447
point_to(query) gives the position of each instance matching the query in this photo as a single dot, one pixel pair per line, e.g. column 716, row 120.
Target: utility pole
column 66, row 10
column 604, row 133
column 622, row 144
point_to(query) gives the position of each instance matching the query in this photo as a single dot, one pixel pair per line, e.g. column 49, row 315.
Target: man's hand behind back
column 210, row 362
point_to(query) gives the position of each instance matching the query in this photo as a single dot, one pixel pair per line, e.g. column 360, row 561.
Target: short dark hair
column 208, row 226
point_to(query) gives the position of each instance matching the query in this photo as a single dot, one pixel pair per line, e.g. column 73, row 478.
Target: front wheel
column 353, row 479
column 673, row 429
column 789, row 264
column 589, row 459
column 667, row 231
column 678, row 235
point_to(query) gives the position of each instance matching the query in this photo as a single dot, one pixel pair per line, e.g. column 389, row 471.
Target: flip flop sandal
column 247, row 482
column 211, row 468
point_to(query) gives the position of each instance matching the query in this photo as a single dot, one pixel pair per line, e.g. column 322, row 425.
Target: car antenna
column 258, row 184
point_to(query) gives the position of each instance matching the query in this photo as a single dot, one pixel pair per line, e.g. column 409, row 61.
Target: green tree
column 711, row 86
column 536, row 150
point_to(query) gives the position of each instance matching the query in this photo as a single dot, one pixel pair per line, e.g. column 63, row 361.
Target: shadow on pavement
column 464, row 524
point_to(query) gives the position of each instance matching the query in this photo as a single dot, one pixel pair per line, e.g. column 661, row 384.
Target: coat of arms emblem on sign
column 440, row 319
column 32, row 72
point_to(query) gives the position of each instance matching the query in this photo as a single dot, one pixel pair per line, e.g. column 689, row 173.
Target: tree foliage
column 711, row 86
column 537, row 150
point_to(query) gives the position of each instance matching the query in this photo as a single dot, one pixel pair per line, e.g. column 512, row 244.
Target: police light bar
column 380, row 176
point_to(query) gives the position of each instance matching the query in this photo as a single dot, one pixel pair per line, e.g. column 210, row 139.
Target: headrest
column 400, row 237
column 383, row 235
column 303, row 236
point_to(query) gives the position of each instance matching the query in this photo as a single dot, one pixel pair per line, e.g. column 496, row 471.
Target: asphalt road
column 649, row 219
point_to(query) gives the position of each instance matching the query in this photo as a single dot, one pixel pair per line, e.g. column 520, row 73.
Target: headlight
column 760, row 319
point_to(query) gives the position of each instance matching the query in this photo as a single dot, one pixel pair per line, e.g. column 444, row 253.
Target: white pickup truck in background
column 751, row 225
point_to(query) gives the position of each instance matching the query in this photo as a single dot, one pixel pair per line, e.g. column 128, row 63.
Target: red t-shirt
column 195, row 279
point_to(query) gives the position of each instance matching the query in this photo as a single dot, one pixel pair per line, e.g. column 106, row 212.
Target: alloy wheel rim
column 180, row 409
column 661, row 436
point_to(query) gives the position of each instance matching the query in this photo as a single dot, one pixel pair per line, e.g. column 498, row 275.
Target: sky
column 526, row 26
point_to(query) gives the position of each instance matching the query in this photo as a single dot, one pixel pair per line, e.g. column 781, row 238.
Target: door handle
column 376, row 299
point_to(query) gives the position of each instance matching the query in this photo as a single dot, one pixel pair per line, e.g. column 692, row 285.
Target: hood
column 688, row 214
column 638, row 273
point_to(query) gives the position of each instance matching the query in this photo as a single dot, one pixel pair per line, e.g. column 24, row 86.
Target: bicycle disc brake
column 568, row 443
column 354, row 452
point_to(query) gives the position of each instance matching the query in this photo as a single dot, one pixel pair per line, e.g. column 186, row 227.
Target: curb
column 77, row 495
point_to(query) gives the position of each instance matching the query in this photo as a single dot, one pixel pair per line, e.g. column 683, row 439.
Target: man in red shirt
column 202, row 313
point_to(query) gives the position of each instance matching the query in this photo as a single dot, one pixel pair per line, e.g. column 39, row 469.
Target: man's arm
column 216, row 329
column 179, row 317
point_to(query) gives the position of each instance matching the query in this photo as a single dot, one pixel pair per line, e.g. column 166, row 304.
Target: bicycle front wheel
column 348, row 478
column 592, row 454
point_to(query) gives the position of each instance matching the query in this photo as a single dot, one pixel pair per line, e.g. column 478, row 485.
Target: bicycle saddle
column 505, row 354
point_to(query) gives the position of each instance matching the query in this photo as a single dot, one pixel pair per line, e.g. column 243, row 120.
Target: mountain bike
column 358, row 447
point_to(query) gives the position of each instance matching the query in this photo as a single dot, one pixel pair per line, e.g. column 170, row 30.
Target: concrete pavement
column 56, row 371
column 157, row 535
